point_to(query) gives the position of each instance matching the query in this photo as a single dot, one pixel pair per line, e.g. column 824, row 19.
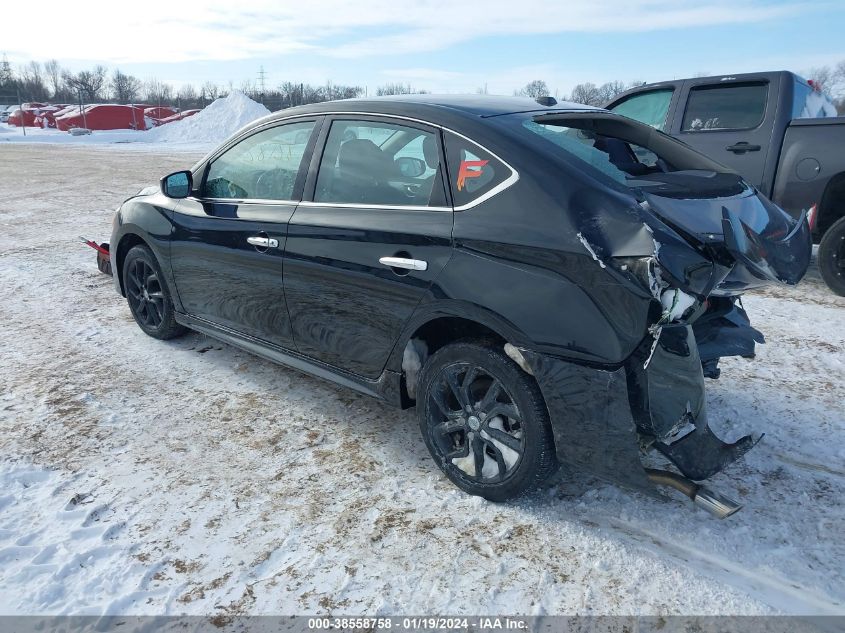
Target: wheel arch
column 832, row 204
column 126, row 242
column 438, row 327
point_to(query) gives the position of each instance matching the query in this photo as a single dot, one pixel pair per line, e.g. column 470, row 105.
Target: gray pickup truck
column 774, row 129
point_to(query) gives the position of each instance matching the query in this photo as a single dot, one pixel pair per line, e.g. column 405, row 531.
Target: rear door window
column 725, row 107
column 649, row 107
column 382, row 164
column 475, row 174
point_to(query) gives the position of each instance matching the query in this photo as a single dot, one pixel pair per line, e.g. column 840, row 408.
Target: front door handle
column 401, row 262
column 263, row 242
column 743, row 147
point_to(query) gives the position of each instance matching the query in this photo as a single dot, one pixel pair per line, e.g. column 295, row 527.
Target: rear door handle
column 742, row 147
column 263, row 242
column 401, row 262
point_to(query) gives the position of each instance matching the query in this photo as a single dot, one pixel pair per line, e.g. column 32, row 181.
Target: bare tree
column 533, row 89
column 209, row 90
column 610, row 89
column 249, row 87
column 54, row 78
column 187, row 93
column 157, row 92
column 7, row 76
column 823, row 77
column 125, row 88
column 88, row 83
column 586, row 93
column 398, row 89
column 289, row 93
column 32, row 82
column 332, row 92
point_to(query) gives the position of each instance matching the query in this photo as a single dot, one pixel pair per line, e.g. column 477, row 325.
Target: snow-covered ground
column 144, row 477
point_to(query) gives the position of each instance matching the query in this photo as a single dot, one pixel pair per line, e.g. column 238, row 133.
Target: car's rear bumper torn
column 605, row 420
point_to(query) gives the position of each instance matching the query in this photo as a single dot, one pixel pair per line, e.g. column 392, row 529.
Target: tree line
column 49, row 81
column 587, row 93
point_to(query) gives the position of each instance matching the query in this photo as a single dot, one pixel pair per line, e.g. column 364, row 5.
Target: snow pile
column 213, row 124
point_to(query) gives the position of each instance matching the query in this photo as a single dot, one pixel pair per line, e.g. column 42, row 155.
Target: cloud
column 189, row 30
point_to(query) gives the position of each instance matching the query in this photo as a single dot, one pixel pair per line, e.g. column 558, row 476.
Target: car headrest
column 362, row 159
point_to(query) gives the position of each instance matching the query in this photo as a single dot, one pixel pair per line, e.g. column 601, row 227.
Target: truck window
column 811, row 104
column 649, row 107
column 719, row 108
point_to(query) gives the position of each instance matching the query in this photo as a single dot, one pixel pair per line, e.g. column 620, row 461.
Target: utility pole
column 20, row 105
column 82, row 110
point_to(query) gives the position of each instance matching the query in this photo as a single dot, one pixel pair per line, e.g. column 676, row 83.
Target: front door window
column 263, row 166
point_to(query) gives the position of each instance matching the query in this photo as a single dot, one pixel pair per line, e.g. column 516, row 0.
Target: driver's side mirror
column 411, row 167
column 177, row 185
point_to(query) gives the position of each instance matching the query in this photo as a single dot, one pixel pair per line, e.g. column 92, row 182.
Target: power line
column 261, row 76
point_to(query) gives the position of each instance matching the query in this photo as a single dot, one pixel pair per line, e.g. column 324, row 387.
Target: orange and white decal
column 469, row 169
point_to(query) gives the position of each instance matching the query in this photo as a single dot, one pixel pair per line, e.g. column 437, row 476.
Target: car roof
column 429, row 104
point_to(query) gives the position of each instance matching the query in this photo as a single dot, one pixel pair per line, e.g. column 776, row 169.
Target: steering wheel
column 267, row 184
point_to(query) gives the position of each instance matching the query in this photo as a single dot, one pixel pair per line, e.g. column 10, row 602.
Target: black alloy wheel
column 144, row 293
column 147, row 295
column 484, row 421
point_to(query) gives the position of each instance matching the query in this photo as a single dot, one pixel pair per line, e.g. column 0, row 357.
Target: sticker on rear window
column 470, row 169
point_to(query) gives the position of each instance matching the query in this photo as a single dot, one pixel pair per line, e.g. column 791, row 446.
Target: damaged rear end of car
column 673, row 239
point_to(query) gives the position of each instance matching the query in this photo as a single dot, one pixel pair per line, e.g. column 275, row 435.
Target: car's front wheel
column 484, row 421
column 147, row 294
column 831, row 257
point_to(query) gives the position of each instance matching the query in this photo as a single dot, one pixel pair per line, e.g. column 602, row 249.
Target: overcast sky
column 451, row 46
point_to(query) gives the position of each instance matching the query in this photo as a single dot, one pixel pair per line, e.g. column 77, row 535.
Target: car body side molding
column 385, row 387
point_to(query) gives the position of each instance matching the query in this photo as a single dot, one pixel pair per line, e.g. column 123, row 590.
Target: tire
column 148, row 296
column 831, row 257
column 505, row 434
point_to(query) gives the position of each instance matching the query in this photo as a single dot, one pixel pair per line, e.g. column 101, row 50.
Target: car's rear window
column 629, row 154
column 594, row 150
column 649, row 107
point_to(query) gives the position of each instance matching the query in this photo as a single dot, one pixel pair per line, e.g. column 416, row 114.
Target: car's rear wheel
column 484, row 421
column 831, row 257
column 147, row 294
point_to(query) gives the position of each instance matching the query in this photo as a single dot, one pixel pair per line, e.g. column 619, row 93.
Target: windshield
column 629, row 154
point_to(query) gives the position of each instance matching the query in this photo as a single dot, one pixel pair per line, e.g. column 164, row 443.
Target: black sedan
column 547, row 284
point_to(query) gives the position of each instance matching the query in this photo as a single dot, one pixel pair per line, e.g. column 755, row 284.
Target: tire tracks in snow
column 778, row 593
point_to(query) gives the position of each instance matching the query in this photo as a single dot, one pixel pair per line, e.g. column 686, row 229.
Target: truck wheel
column 831, row 257
column 484, row 421
column 147, row 294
